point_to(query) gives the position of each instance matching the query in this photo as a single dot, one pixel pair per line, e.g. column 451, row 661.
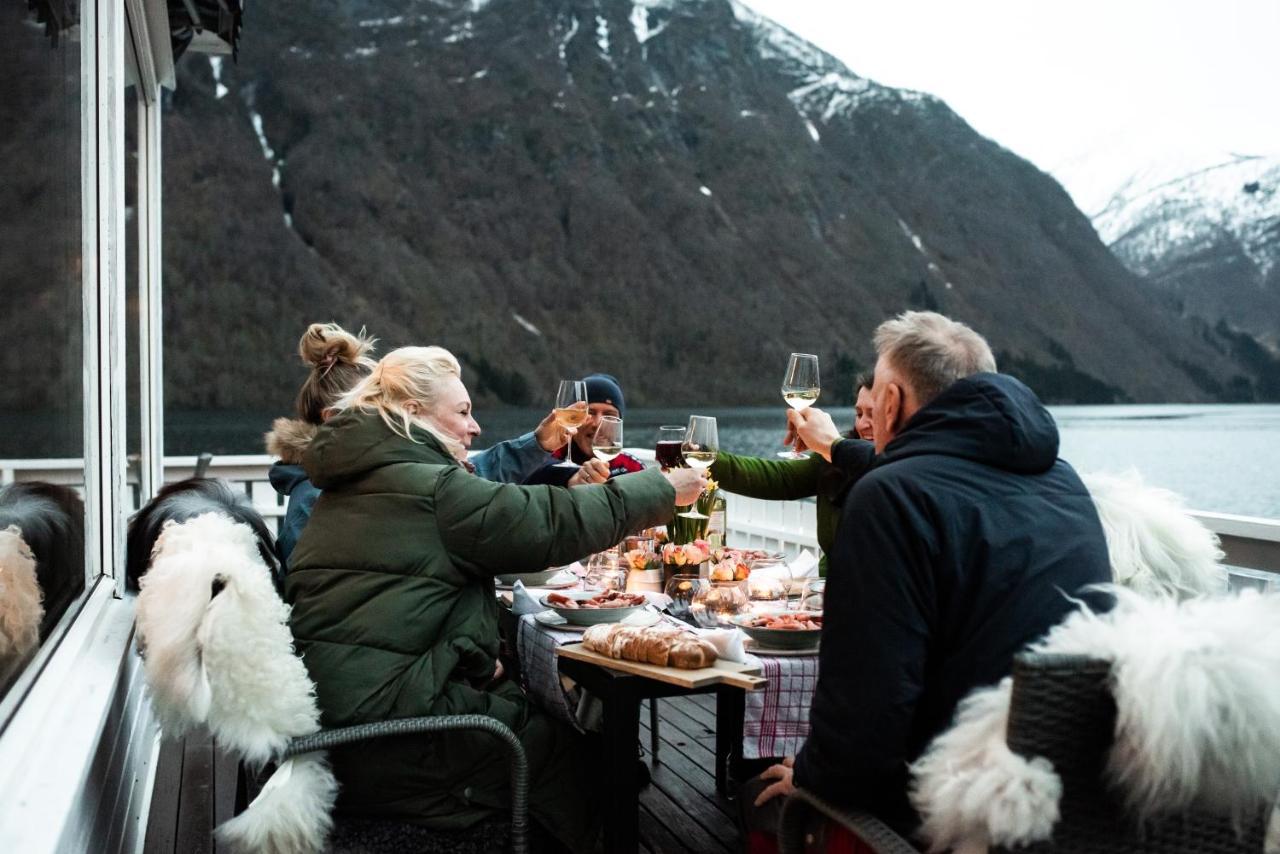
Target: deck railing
column 1252, row 545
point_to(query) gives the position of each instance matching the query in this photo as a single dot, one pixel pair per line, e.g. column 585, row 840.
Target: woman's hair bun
column 326, row 344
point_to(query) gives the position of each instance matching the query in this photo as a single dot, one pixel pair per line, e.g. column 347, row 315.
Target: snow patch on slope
column 1168, row 207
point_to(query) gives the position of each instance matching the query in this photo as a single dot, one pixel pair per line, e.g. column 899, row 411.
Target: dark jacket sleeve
column 494, row 528
column 771, row 480
column 296, row 515
column 853, row 456
column 875, row 641
column 551, row 475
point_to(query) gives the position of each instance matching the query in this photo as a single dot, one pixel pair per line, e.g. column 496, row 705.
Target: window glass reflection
column 41, row 431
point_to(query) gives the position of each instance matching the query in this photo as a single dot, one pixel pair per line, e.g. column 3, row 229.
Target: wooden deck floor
column 679, row 810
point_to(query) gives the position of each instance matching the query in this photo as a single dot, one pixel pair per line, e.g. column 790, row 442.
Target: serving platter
column 589, row 616
column 745, row 676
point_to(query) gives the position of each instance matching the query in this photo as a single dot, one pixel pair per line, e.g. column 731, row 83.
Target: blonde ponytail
column 338, row 360
column 403, row 375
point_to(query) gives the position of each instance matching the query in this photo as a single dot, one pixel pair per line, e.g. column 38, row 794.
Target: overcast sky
column 1117, row 81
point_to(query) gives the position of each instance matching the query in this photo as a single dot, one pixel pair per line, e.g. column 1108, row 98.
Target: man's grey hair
column 932, row 351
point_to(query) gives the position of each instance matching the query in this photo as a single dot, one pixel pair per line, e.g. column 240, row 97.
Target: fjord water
column 1223, row 458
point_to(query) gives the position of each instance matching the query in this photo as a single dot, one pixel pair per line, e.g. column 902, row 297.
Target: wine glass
column 667, row 449
column 800, row 388
column 812, row 595
column 606, row 444
column 699, row 449
column 571, row 412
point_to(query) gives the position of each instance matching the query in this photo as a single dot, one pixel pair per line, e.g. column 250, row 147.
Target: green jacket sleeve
column 495, row 528
column 772, row 480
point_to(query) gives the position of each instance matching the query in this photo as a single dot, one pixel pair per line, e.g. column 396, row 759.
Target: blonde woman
column 338, row 360
column 393, row 599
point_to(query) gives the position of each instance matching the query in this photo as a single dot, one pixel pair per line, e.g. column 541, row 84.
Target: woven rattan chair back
column 1063, row 710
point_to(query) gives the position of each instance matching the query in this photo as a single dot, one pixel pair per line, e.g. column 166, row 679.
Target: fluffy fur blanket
column 218, row 653
column 1198, row 724
column 1195, row 684
column 1155, row 546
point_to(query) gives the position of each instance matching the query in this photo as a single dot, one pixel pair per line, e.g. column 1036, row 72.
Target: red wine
column 668, row 455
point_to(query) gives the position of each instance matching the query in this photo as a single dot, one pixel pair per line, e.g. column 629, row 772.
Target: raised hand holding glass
column 699, row 448
column 606, row 444
column 800, row 388
column 571, row 411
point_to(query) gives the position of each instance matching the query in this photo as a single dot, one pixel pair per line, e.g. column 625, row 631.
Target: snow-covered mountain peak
column 827, row 88
column 1176, row 206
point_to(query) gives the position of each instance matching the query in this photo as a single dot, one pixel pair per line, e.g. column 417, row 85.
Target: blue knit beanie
column 603, row 388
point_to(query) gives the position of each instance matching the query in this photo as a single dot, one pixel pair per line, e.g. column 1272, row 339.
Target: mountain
column 676, row 191
column 1207, row 232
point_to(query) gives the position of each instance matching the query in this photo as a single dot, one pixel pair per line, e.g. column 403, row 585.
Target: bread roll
column 665, row 646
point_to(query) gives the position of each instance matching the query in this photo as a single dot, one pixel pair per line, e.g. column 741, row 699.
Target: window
column 42, row 512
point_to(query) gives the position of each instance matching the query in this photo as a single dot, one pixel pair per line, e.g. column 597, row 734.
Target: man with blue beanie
column 604, row 398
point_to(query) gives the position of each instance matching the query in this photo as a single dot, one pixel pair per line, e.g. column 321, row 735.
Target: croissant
column 665, row 646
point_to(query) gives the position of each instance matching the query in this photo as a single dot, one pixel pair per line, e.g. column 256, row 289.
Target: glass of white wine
column 701, row 443
column 571, row 411
column 800, row 388
column 606, row 444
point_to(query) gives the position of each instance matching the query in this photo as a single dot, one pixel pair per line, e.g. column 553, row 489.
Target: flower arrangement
column 686, row 554
column 729, row 568
column 640, row 559
column 683, row 558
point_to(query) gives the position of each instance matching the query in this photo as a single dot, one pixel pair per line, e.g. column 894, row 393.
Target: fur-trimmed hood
column 289, row 439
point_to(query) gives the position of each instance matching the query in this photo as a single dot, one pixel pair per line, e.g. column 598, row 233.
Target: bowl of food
column 534, row 579
column 782, row 630
column 589, row 607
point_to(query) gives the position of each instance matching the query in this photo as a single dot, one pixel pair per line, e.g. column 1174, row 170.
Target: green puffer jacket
column 394, row 611
column 790, row 480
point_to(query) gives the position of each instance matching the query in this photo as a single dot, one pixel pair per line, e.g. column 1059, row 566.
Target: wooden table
column 620, row 693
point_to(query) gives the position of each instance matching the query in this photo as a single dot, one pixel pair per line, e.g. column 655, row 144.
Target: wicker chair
column 1062, row 709
column 373, row 836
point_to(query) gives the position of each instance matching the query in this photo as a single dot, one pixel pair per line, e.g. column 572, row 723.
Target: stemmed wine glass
column 699, row 450
column 606, row 444
column 571, row 412
column 800, row 388
column 667, row 449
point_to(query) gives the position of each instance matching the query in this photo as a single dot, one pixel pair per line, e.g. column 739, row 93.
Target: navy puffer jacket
column 970, row 535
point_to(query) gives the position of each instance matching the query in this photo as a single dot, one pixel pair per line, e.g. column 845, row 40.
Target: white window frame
column 76, row 754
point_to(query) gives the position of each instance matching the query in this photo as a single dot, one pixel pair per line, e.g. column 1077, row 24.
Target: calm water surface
column 1224, row 458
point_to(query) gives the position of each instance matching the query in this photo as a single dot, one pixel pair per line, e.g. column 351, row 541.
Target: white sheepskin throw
column 1197, row 725
column 973, row 791
column 21, row 605
column 218, row 652
column 1197, row 690
column 1156, row 546
column 292, row 814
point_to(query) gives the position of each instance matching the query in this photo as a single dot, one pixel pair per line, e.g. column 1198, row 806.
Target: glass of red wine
column 667, row 450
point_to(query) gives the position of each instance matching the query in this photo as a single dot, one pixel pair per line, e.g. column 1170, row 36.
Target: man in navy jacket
column 969, row 535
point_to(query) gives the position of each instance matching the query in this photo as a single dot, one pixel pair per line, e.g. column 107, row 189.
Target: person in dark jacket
column 970, row 535
column 604, row 398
